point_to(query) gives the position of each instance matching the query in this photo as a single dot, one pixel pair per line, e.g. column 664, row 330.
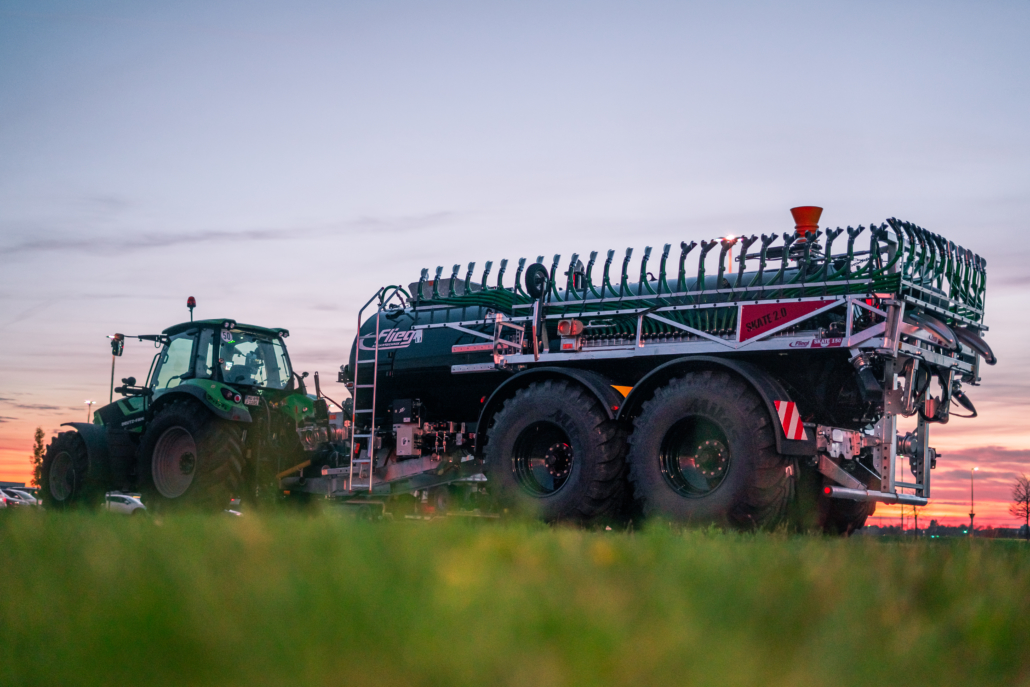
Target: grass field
column 329, row 600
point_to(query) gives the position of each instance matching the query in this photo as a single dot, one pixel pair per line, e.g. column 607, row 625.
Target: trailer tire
column 65, row 476
column 552, row 452
column 703, row 451
column 844, row 516
column 190, row 459
column 813, row 511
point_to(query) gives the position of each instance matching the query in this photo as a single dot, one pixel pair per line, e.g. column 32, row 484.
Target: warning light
column 191, row 303
column 827, row 490
column 231, row 395
column 570, row 327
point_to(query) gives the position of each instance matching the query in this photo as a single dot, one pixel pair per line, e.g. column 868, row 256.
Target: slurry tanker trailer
column 796, row 380
column 771, row 386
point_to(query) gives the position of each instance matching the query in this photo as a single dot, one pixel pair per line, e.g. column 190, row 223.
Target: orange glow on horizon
column 949, row 502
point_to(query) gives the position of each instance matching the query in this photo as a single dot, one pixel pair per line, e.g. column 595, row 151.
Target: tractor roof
column 173, row 330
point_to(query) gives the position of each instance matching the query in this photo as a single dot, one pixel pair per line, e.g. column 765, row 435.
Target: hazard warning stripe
column 790, row 420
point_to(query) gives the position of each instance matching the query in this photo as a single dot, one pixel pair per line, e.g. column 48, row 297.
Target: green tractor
column 217, row 419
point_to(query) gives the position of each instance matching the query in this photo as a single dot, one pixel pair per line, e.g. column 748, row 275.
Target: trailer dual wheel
column 703, row 451
column 553, row 452
column 66, row 479
column 190, row 458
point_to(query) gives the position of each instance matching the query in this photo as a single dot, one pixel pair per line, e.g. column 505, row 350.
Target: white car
column 19, row 497
column 124, row 504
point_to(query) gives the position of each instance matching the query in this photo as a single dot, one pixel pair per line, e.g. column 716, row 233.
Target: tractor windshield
column 253, row 360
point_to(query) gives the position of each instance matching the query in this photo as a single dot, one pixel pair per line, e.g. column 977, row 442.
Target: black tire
column 536, row 279
column 190, row 458
column 552, row 452
column 703, row 451
column 813, row 511
column 66, row 478
column 844, row 516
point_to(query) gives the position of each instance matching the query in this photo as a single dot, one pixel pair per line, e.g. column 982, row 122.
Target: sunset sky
column 281, row 161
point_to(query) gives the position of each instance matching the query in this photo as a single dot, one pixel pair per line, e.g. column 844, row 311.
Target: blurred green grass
column 328, row 600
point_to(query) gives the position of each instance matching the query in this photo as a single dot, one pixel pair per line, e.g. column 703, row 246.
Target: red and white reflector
column 790, row 420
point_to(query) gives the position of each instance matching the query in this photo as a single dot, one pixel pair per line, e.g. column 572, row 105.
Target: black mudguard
column 595, row 382
column 97, row 451
column 235, row 414
column 767, row 387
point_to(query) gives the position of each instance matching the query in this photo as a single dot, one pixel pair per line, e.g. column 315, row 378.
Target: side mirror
column 117, row 344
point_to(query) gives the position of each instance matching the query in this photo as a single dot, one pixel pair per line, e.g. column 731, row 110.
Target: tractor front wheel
column 190, row 458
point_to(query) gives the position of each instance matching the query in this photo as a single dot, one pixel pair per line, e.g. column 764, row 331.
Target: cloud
column 130, row 242
column 35, row 406
column 7, row 419
column 992, row 454
column 27, row 313
column 28, row 406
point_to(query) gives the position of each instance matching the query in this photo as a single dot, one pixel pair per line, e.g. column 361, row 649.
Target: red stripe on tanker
column 790, row 420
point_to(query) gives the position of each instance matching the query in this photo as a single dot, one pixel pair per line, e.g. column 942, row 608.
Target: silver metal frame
column 884, row 337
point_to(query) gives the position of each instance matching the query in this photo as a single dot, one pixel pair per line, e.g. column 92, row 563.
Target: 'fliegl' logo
column 392, row 339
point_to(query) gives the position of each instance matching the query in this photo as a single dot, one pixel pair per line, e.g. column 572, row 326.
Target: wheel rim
column 62, row 477
column 695, row 457
column 543, row 459
column 174, row 462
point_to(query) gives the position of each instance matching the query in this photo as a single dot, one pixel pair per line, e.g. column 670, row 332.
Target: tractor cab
column 222, row 351
column 226, row 365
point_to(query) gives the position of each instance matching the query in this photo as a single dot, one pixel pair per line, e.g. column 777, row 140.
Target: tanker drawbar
column 745, row 380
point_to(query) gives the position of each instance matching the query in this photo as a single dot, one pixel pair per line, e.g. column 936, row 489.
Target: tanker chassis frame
column 836, row 347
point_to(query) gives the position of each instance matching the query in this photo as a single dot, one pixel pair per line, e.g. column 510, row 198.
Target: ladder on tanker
column 363, row 419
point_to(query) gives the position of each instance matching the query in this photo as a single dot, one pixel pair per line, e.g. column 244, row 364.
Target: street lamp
column 971, row 509
column 89, row 409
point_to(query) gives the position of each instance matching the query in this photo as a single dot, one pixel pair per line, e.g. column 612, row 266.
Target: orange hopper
column 806, row 219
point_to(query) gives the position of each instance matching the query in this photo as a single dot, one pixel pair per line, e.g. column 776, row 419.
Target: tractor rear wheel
column 190, row 458
column 65, row 477
column 703, row 451
column 553, row 452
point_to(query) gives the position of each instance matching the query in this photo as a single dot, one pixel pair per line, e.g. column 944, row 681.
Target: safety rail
column 902, row 259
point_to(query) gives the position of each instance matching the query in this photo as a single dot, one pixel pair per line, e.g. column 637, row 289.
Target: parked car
column 124, row 504
column 18, row 497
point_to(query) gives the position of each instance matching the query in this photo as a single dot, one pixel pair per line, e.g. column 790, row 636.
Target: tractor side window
column 174, row 363
column 205, row 355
